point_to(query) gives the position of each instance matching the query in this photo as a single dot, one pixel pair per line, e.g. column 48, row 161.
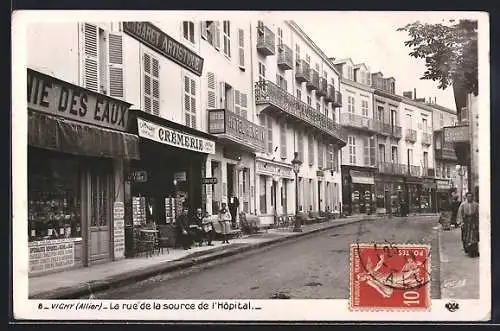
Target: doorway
column 319, row 196
column 284, row 202
column 230, row 180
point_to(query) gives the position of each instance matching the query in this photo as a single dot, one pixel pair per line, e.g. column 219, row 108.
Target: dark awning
column 55, row 133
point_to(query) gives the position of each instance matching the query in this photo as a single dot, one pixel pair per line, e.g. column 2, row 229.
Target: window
column 426, row 160
column 262, row 194
column 299, row 94
column 210, row 30
column 243, row 105
column 424, row 124
column 309, row 100
column 310, row 150
column 381, row 153
column 321, row 154
column 408, row 121
column 283, row 139
column 281, row 82
column 188, row 30
column 102, row 61
column 262, row 71
column 410, row 157
column 441, row 120
column 297, row 53
column 190, row 102
column 394, row 115
column 308, row 59
column 280, row 36
column 380, row 114
column 241, row 47
column 394, row 154
column 318, row 107
column 350, row 104
column 227, row 38
column 151, row 84
column 237, row 96
column 448, row 171
column 267, row 122
column 300, row 143
column 351, row 143
column 364, row 107
column 369, row 151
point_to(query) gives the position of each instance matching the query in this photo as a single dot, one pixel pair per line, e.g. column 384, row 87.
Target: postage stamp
column 387, row 276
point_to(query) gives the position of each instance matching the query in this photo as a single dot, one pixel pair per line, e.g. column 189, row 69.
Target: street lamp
column 461, row 173
column 296, row 163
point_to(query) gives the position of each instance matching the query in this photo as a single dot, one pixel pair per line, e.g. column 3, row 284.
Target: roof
column 443, row 108
column 359, row 65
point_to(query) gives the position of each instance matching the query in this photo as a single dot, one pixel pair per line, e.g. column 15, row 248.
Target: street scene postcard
column 251, row 166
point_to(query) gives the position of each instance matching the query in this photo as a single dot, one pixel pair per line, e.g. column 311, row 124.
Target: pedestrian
column 233, row 205
column 225, row 222
column 455, row 204
column 208, row 229
column 468, row 217
column 183, row 227
column 196, row 227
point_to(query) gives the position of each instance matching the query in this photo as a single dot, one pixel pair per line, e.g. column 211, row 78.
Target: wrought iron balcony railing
column 266, row 44
column 359, row 122
column 426, row 139
column 338, row 99
column 411, row 135
column 285, row 57
column 302, row 72
column 414, row 171
column 428, row 172
column 330, row 93
column 313, row 84
column 322, row 90
column 392, row 168
column 390, row 130
column 267, row 92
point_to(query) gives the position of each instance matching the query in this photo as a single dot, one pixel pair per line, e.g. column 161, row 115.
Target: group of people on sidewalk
column 199, row 228
column 464, row 214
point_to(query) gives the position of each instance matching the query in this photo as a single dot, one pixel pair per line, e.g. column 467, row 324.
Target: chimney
column 414, row 93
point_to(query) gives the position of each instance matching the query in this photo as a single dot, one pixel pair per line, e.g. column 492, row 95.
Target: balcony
column 426, row 139
column 413, row 171
column 338, row 99
column 392, row 168
column 265, row 40
column 269, row 95
column 330, row 93
column 313, row 83
column 428, row 172
column 387, row 129
column 285, row 57
column 322, row 90
column 411, row 135
column 302, row 73
column 359, row 122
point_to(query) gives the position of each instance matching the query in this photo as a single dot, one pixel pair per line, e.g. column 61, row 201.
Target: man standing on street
column 468, row 215
column 233, row 205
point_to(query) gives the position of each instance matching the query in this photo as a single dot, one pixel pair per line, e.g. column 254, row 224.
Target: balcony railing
column 313, row 84
column 338, row 99
column 428, row 172
column 302, row 73
column 414, row 171
column 411, row 135
column 359, row 122
column 390, row 130
column 265, row 40
column 426, row 139
column 322, row 90
column 330, row 93
column 285, row 57
column 267, row 92
column 392, row 168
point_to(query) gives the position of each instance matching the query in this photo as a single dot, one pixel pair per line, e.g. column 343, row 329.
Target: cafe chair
column 163, row 238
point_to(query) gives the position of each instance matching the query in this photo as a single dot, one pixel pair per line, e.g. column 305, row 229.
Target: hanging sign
column 209, row 180
column 119, row 229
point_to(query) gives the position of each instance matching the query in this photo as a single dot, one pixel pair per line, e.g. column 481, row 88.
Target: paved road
column 315, row 267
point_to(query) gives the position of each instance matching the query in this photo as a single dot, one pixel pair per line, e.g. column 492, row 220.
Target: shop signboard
column 173, row 137
column 456, row 134
column 47, row 255
column 209, row 180
column 119, row 229
column 273, row 169
column 236, row 128
column 139, row 176
column 154, row 37
column 53, row 96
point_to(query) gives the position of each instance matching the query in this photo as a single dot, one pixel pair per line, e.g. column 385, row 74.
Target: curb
column 88, row 288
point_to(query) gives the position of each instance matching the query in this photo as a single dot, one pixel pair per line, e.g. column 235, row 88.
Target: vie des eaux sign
column 161, row 42
column 53, row 96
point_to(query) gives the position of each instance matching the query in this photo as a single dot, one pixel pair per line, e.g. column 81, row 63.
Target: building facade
column 296, row 95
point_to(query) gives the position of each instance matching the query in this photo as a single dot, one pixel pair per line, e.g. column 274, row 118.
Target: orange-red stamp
column 391, row 277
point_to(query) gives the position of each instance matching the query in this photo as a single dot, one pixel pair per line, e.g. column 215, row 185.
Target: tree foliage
column 450, row 52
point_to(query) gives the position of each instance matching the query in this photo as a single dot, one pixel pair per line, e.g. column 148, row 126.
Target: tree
column 450, row 52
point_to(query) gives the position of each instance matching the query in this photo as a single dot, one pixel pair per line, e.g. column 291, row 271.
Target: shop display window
column 53, row 196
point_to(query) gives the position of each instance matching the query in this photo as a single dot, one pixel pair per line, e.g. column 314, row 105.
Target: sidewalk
column 459, row 273
column 83, row 281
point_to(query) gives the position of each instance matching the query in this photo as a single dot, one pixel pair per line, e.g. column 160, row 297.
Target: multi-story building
column 359, row 165
column 297, row 96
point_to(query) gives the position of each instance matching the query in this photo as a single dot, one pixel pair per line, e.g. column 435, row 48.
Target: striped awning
column 59, row 134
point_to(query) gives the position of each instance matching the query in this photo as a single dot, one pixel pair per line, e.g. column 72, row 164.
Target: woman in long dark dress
column 468, row 216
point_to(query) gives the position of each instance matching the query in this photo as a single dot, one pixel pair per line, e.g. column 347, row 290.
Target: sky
column 371, row 38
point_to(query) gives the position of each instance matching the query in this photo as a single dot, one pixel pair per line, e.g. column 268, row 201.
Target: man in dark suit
column 233, row 205
column 183, row 227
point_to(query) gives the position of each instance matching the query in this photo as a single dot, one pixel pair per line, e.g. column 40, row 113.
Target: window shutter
column 187, row 101
column 222, row 92
column 366, row 154
column 90, row 65
column 241, row 44
column 300, row 143
column 156, row 86
column 211, row 90
column 270, row 135
column 147, row 83
column 311, row 150
column 203, row 31
column 243, row 105
column 283, row 139
column 115, row 53
column 237, row 102
column 329, row 157
column 193, row 103
column 320, row 154
column 285, row 85
column 217, row 35
column 278, row 80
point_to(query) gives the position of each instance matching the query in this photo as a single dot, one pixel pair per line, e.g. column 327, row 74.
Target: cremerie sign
column 174, row 137
column 158, row 40
column 56, row 97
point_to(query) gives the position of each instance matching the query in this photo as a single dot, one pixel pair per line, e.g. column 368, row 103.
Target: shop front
column 414, row 194
column 169, row 173
column 358, row 191
column 233, row 164
column 77, row 152
column 428, row 196
column 275, row 189
column 389, row 194
column 443, row 187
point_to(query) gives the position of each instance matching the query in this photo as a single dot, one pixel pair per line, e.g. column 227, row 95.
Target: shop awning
column 359, row 177
column 51, row 132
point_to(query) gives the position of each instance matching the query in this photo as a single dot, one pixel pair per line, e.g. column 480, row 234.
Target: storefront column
column 269, row 183
column 278, row 202
column 224, row 181
column 85, row 215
